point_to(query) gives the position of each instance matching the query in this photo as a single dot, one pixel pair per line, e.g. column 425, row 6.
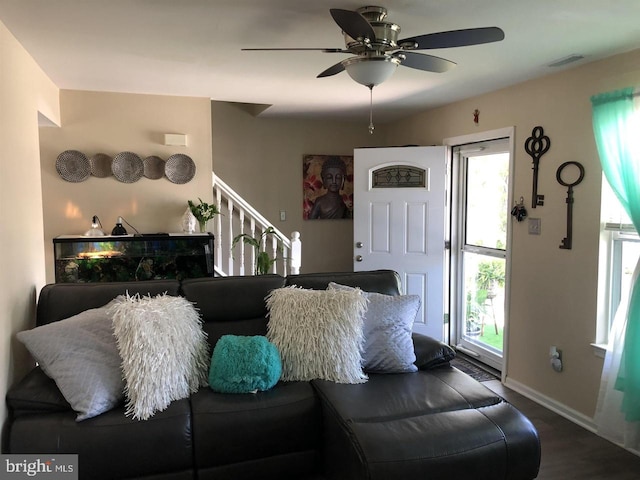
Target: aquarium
column 83, row 259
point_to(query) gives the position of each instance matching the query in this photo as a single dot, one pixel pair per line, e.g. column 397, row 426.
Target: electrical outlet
column 283, row 215
column 534, row 226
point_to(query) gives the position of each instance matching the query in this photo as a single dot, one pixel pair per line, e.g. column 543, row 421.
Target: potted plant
column 263, row 260
column 203, row 213
column 490, row 275
column 473, row 313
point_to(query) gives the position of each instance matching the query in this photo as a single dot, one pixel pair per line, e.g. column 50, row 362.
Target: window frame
column 491, row 146
column 618, row 236
column 616, row 230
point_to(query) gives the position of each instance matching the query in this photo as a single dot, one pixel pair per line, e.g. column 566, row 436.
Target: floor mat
column 472, row 370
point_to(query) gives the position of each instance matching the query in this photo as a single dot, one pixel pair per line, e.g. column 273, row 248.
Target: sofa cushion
column 241, row 364
column 243, row 296
column 379, row 281
column 474, row 444
column 431, row 353
column 318, row 333
column 36, row 393
column 231, row 429
column 112, row 445
column 164, row 351
column 438, row 421
column 81, row 356
column 231, row 305
column 63, row 300
column 423, row 392
column 388, row 322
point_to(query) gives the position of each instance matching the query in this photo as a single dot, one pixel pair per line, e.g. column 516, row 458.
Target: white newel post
column 296, row 253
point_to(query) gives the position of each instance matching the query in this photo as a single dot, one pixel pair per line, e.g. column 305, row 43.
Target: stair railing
column 237, row 217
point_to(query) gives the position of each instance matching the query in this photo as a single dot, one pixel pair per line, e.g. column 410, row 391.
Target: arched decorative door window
column 399, row 176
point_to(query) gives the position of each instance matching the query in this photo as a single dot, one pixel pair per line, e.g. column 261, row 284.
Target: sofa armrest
column 36, row 393
column 430, row 352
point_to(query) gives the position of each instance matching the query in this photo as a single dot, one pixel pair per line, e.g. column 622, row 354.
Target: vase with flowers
column 203, row 213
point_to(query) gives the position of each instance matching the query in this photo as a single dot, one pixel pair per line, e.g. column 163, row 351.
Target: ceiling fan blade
column 454, row 38
column 333, row 70
column 353, row 24
column 325, row 50
column 428, row 63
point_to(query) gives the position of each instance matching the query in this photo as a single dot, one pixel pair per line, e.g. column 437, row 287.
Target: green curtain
column 617, row 133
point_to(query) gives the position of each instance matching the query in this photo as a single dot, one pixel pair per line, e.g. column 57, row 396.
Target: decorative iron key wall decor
column 566, row 241
column 537, row 145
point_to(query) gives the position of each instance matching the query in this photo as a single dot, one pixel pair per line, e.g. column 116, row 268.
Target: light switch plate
column 534, row 226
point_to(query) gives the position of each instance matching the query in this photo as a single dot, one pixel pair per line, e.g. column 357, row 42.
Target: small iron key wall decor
column 566, row 241
column 537, row 145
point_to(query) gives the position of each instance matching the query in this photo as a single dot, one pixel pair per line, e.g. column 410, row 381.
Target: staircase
column 238, row 217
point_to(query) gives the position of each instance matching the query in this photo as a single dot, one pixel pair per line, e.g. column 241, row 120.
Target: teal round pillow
column 244, row 364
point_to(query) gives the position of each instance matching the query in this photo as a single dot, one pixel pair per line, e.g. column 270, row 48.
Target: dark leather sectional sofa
column 434, row 423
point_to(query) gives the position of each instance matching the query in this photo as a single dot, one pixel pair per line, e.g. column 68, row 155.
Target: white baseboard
column 569, row 413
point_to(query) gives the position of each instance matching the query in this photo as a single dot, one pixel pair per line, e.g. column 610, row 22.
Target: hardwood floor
column 569, row 451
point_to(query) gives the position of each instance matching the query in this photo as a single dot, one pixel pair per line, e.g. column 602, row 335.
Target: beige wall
column 553, row 291
column 262, row 160
column 24, row 91
column 98, row 122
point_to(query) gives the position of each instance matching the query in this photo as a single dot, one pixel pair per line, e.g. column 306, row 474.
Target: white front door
column 399, row 223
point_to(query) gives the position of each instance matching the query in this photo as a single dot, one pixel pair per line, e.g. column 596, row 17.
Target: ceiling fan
column 378, row 52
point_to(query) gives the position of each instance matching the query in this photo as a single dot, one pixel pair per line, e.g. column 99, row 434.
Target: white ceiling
column 192, row 48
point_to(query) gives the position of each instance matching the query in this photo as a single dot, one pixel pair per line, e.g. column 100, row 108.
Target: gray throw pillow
column 388, row 322
column 81, row 356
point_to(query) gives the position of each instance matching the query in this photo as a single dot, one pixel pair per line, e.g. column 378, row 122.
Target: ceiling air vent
column 574, row 57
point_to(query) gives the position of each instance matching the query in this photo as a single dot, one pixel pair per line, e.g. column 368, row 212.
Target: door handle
column 358, row 258
column 359, row 244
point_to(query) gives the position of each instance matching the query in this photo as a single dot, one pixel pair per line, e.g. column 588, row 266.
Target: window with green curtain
column 619, row 255
column 616, row 126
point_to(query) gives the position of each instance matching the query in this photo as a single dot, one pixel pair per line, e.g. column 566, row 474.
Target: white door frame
column 507, row 132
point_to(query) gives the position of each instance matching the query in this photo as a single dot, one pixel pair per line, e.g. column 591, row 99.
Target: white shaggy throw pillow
column 318, row 333
column 164, row 351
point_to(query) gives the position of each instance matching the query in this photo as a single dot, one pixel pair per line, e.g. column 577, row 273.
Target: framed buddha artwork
column 327, row 187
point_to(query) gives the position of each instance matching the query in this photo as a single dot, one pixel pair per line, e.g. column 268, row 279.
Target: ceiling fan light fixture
column 371, row 70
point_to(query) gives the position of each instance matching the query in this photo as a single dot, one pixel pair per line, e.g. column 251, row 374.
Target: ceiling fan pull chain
column 371, row 127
